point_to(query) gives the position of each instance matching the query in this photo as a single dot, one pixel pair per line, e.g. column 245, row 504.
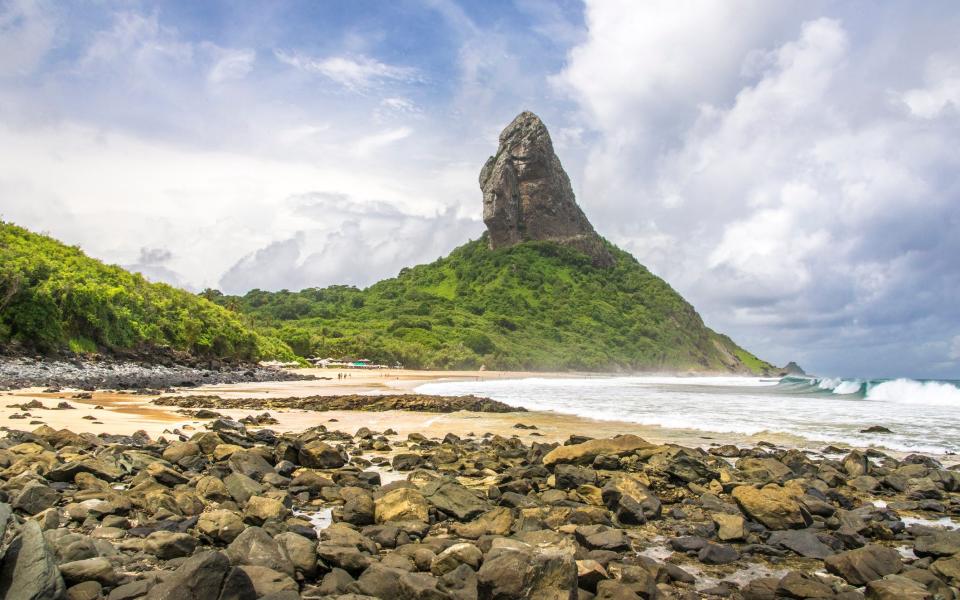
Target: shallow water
column 320, row 519
column 924, row 416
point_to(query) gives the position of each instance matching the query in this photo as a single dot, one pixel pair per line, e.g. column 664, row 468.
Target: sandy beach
column 124, row 413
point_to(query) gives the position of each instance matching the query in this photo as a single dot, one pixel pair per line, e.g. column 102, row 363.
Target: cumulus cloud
column 940, row 93
column 349, row 242
column 797, row 202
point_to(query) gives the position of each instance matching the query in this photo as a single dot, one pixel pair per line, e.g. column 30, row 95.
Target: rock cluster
column 527, row 194
column 237, row 513
column 413, row 402
column 20, row 372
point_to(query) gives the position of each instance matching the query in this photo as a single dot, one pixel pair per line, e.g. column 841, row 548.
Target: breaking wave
column 906, row 391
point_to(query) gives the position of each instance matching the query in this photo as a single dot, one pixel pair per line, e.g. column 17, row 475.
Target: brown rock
column 527, row 194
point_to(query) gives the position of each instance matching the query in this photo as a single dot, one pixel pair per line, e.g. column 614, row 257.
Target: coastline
column 127, row 412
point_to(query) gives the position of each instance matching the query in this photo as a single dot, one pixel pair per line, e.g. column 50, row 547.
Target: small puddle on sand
column 387, row 475
column 320, row 519
column 941, row 523
column 907, row 552
column 741, row 577
column 657, row 551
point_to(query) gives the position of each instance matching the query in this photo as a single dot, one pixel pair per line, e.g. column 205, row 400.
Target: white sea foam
column 924, row 416
column 909, row 391
column 848, row 387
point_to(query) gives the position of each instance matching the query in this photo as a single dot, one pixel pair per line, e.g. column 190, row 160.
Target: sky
column 791, row 168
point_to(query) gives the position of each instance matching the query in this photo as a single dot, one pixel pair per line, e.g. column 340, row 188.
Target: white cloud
column 769, row 176
column 347, row 241
column 353, row 72
column 231, row 64
column 211, row 208
column 941, row 92
column 367, row 145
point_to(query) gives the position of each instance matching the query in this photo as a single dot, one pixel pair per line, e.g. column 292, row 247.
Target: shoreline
column 126, row 412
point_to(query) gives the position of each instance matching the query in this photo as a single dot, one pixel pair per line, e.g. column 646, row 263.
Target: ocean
column 924, row 416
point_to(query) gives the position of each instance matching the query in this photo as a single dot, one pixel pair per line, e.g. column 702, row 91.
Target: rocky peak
column 527, row 194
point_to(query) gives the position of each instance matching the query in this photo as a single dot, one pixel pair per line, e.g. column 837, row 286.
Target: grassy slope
column 534, row 306
column 54, row 298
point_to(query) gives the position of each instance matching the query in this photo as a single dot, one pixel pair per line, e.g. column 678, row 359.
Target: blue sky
column 791, row 168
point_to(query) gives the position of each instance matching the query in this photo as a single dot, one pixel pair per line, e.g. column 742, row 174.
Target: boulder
column 300, row 551
column 718, row 554
column 570, row 477
column 896, row 587
column 773, row 506
column 802, row 541
column 497, row 521
column 266, row 581
column 513, row 569
column 167, row 544
column 35, row 497
column 249, row 463
column 255, row 547
column 261, row 509
column 454, row 499
column 96, row 569
column 200, row 577
column 177, row 451
column 730, row 528
column 586, row 452
column 941, row 543
column 29, row 570
column 863, row 565
column 401, row 504
column 320, row 455
column 222, row 526
column 802, row 585
column 454, row 556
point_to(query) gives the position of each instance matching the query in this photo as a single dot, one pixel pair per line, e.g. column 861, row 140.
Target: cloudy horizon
column 791, row 169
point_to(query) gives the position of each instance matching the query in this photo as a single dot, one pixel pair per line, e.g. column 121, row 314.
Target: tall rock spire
column 527, row 194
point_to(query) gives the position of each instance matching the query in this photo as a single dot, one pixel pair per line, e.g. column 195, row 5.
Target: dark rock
column 803, row 542
column 876, row 429
column 454, row 499
column 860, row 566
column 29, row 571
column 528, row 196
column 802, row 585
column 200, row 577
column 718, row 554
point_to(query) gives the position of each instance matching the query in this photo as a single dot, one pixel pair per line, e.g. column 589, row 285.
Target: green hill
column 54, row 298
column 537, row 305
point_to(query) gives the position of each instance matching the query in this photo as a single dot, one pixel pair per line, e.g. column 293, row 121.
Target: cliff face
column 527, row 194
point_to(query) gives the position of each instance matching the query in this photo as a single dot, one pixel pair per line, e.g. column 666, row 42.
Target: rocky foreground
column 236, row 513
column 20, row 372
column 413, row 402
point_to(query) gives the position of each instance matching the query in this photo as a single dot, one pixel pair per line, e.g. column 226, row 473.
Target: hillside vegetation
column 537, row 305
column 54, row 298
